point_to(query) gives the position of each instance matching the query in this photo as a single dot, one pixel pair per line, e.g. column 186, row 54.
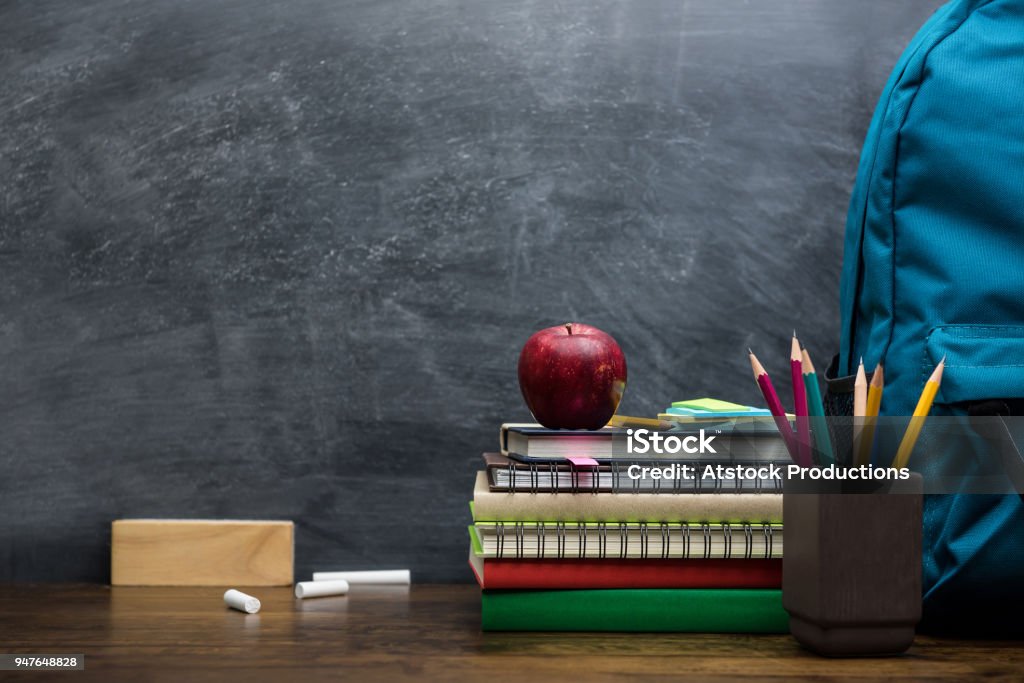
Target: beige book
column 623, row 507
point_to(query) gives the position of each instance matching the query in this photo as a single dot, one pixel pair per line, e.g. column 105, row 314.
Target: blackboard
column 276, row 259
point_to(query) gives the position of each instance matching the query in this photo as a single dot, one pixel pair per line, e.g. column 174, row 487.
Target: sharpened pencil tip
column 878, row 377
column 750, row 351
column 794, row 350
column 756, row 366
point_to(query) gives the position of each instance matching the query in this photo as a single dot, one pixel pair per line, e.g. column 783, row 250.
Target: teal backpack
column 934, row 267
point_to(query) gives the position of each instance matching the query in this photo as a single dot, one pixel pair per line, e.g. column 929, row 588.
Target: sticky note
column 710, row 404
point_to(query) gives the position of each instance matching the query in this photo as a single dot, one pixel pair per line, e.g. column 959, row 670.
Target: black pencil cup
column 851, row 567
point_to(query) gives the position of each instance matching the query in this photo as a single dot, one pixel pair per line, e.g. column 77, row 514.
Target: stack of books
column 566, row 537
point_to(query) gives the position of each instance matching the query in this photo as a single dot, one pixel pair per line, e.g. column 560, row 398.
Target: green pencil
column 817, row 411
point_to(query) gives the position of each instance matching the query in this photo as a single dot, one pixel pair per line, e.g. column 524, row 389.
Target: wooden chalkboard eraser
column 200, row 552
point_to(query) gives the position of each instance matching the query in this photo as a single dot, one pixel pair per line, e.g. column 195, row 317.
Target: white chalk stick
column 241, row 602
column 386, row 577
column 319, row 589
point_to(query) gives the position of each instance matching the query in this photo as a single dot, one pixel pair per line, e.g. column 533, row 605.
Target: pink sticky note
column 582, row 462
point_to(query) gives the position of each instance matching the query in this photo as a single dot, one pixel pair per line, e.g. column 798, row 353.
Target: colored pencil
column 803, row 426
column 764, row 382
column 924, row 406
column 875, row 390
column 816, row 408
column 874, row 403
column 860, row 406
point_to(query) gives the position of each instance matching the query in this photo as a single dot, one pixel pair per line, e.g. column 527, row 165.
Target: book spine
column 661, row 540
column 665, row 611
column 639, row 507
column 509, row 574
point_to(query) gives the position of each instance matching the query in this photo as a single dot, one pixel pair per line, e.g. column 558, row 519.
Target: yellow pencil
column 874, row 402
column 924, row 406
column 860, row 407
column 875, row 390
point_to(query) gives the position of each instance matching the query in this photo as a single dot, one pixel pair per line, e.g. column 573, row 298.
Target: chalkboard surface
column 276, row 259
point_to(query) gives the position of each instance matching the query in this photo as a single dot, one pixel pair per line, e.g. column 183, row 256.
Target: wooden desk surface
column 426, row 633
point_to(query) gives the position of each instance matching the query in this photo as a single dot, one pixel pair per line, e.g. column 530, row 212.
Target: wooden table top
column 426, row 633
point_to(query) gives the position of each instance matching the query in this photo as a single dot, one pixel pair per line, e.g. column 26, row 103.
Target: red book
column 499, row 574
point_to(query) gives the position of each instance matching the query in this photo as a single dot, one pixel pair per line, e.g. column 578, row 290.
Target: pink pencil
column 775, row 406
column 803, row 424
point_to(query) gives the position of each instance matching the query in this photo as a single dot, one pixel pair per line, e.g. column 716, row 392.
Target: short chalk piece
column 241, row 602
column 320, row 589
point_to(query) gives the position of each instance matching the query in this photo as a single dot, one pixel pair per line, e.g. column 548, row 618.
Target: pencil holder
column 851, row 568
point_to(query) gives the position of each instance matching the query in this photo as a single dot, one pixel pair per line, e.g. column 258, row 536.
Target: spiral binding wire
column 665, row 532
column 621, row 483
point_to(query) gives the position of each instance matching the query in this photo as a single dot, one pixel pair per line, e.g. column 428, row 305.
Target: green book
column 671, row 610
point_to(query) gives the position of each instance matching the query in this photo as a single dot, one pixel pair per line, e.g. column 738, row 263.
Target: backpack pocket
column 984, row 365
column 984, row 378
column 973, row 549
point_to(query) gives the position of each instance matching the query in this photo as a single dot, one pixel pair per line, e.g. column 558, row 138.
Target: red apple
column 572, row 376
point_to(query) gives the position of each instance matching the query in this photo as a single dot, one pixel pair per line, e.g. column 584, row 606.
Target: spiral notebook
column 508, row 474
column 626, row 540
column 733, row 508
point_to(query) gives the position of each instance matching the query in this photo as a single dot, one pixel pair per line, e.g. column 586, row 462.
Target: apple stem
column 568, row 326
